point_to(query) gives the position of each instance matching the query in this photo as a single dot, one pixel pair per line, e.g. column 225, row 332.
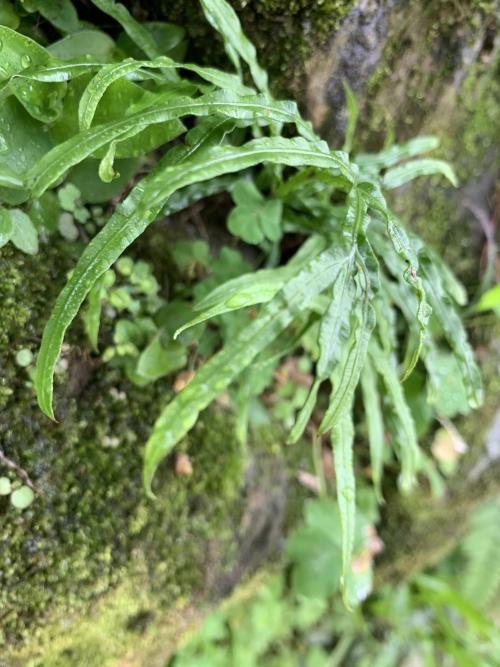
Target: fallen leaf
column 183, row 465
column 182, row 380
column 448, row 445
column 310, row 482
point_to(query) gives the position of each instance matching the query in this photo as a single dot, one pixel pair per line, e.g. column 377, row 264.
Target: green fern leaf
column 216, row 375
column 54, row 165
column 408, row 171
column 453, row 329
column 224, row 19
column 404, row 426
column 137, row 32
column 481, row 546
column 396, row 153
column 342, row 443
column 375, row 424
column 139, row 210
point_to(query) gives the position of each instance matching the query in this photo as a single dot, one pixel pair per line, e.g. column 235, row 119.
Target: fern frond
column 482, row 549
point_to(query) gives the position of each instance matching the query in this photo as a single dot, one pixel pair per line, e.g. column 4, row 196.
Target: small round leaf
column 5, row 486
column 24, row 235
column 22, row 498
column 24, row 357
column 5, row 226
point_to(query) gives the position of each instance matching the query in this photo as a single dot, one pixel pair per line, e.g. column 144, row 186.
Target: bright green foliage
column 8, row 15
column 400, row 175
column 258, row 632
column 137, row 33
column 375, row 424
column 16, row 227
column 489, row 300
column 79, row 107
column 263, row 629
column 342, row 439
column 481, row 546
column 68, row 196
column 253, row 218
column 396, row 153
column 316, row 553
column 142, row 345
column 60, row 13
column 6, row 227
column 403, row 425
column 224, row 19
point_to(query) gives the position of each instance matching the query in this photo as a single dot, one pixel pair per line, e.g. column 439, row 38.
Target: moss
column 92, row 558
column 468, row 125
column 127, row 622
column 425, row 49
column 91, row 525
column 90, row 519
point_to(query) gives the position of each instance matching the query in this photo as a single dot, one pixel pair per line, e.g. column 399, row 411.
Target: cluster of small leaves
column 85, row 103
column 144, row 322
column 254, row 219
column 20, row 495
column 142, row 345
column 62, row 212
column 72, row 210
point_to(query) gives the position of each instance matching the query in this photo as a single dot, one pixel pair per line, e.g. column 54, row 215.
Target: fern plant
column 357, row 271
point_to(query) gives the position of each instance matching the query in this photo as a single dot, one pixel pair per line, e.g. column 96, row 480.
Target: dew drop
column 25, row 61
column 4, row 147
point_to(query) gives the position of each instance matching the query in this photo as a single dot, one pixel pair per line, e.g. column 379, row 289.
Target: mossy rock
column 92, row 556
